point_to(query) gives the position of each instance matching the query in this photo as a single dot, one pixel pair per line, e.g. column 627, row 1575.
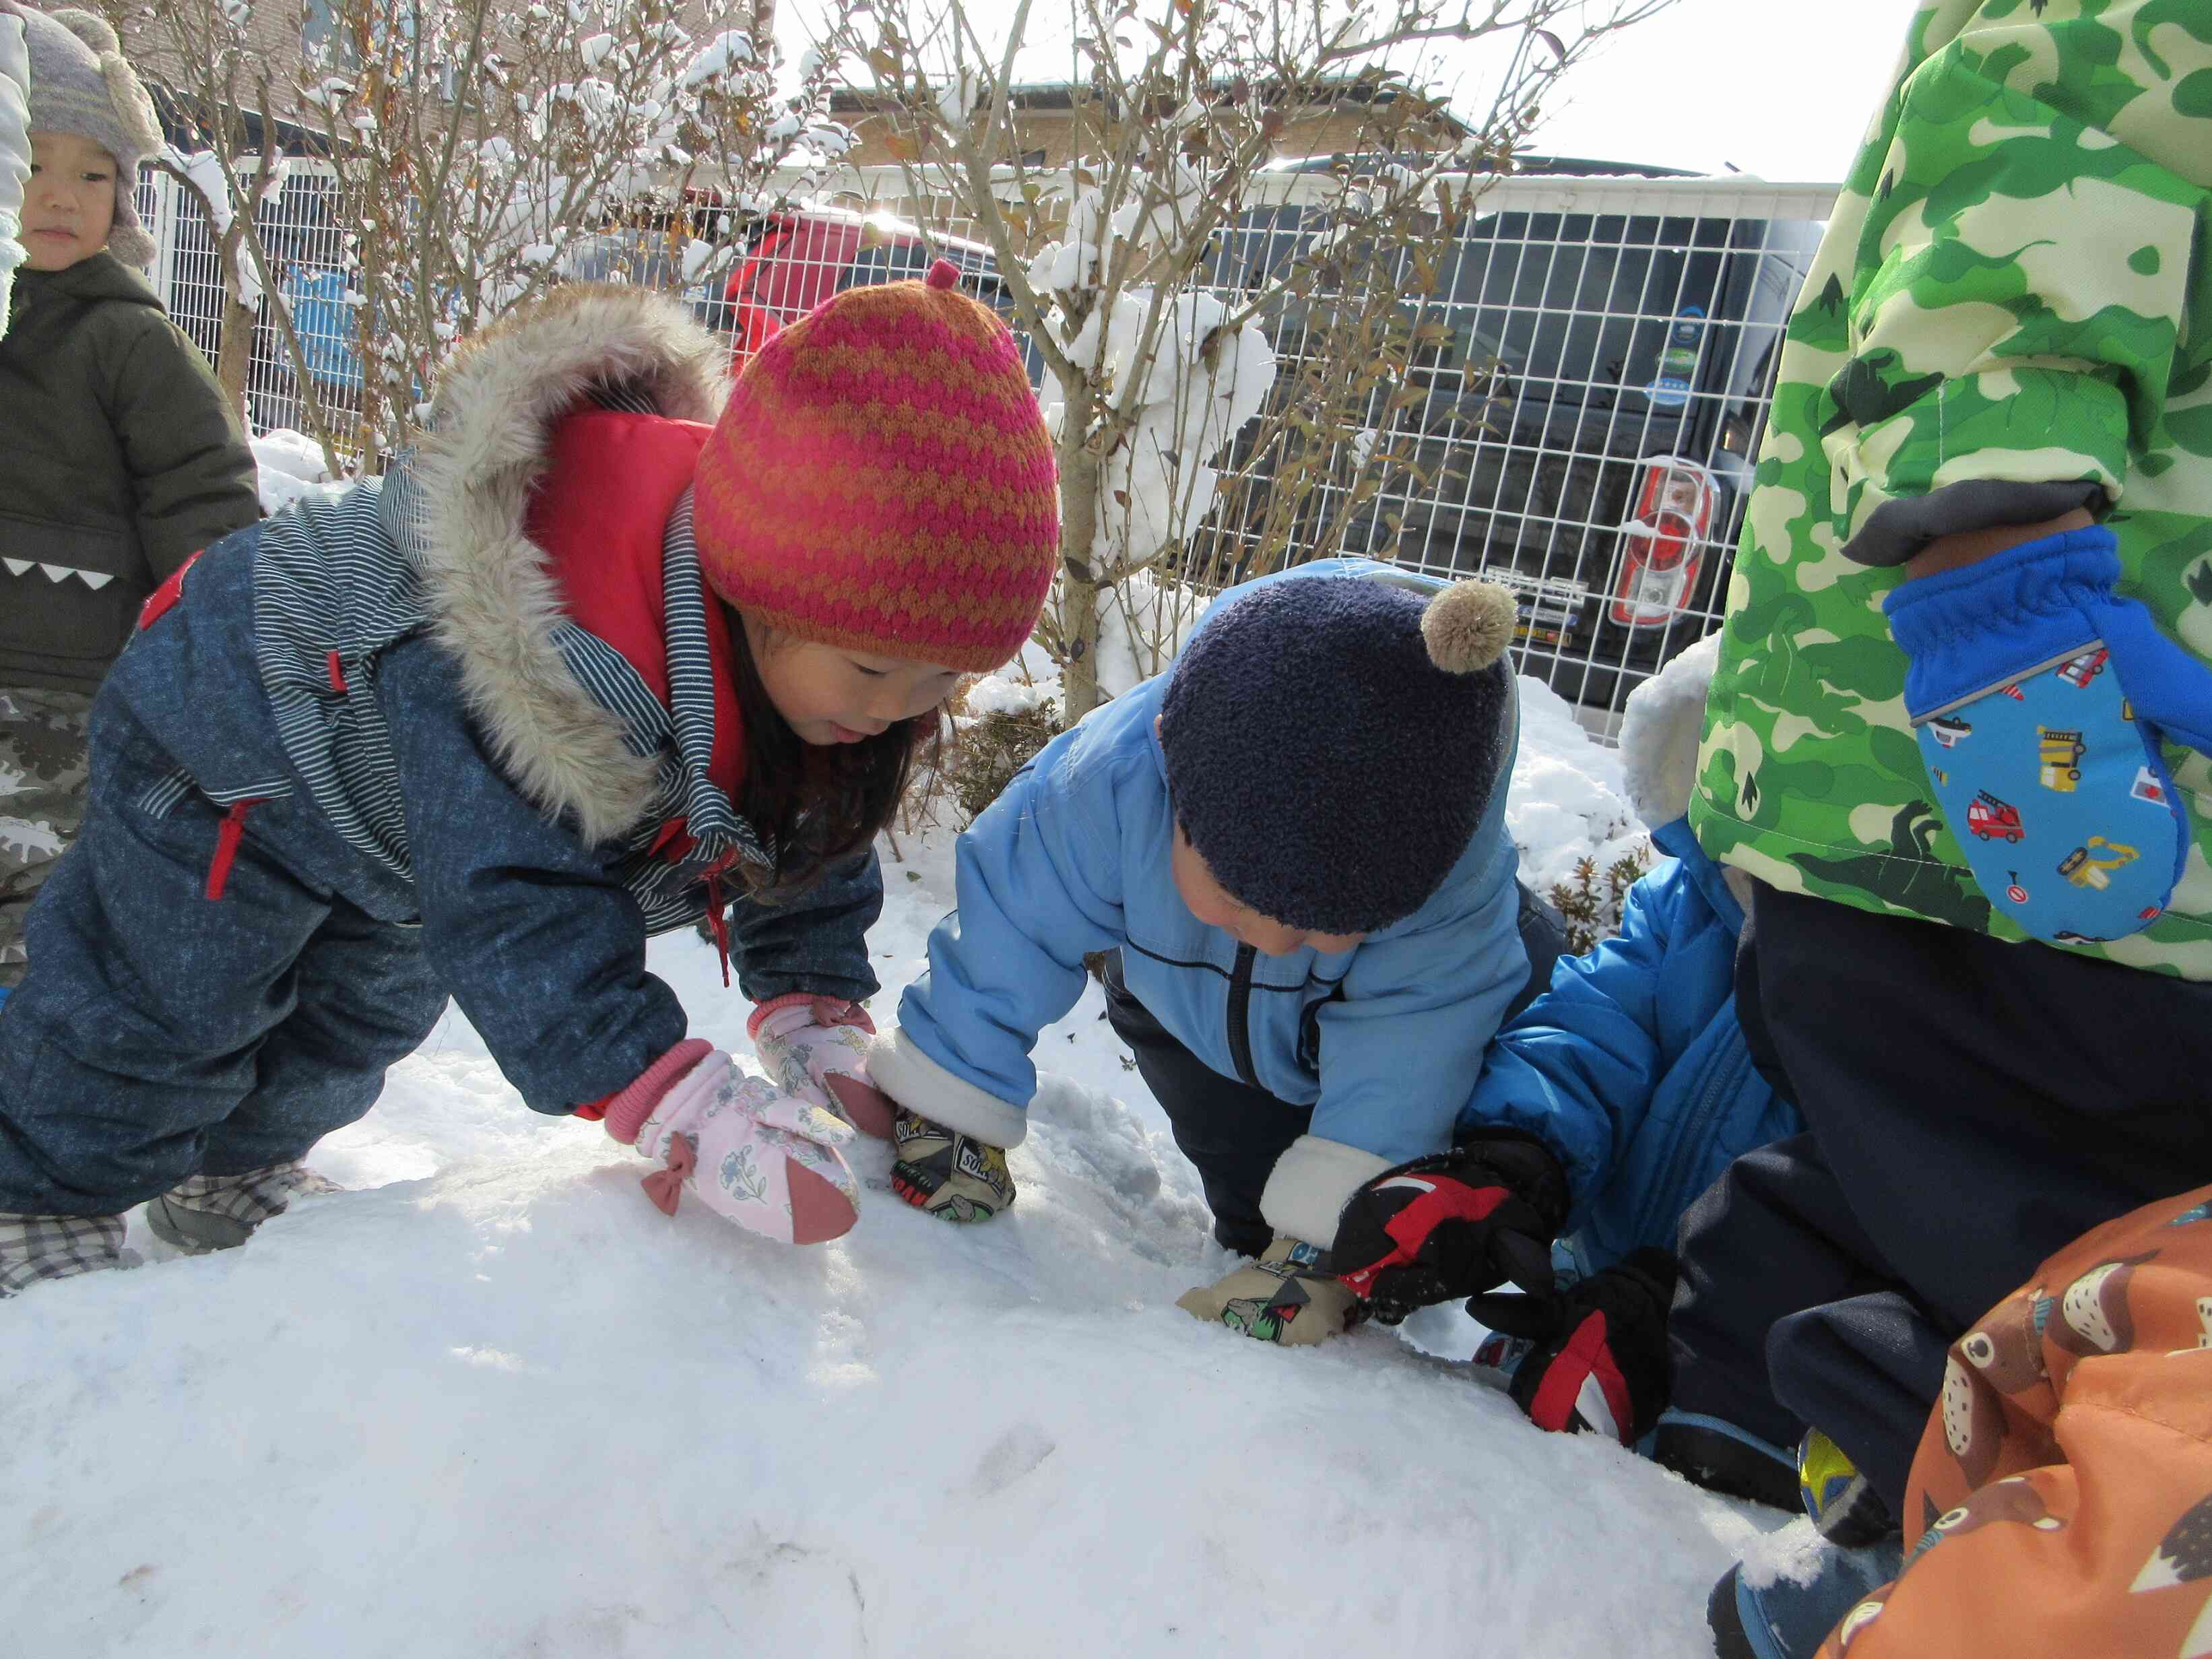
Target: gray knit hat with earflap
column 80, row 84
column 1332, row 741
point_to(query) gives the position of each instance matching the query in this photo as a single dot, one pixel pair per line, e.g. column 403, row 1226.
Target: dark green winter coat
column 120, row 460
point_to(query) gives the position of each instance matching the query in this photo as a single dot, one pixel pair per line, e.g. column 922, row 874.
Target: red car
column 799, row 258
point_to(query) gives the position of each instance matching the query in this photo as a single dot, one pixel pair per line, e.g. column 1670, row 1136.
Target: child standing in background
column 14, row 146
column 121, row 459
column 479, row 727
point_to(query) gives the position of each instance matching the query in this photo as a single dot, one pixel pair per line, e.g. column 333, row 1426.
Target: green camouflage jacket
column 2011, row 315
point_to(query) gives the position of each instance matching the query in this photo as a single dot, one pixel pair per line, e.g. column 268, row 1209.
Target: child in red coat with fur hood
column 580, row 663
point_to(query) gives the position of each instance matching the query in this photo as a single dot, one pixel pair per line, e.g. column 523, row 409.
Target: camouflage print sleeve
column 2022, row 284
column 2010, row 315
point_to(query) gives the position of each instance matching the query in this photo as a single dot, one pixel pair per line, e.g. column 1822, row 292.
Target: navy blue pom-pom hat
column 1333, row 739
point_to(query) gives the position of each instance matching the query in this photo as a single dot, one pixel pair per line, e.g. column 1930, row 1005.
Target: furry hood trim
column 492, row 598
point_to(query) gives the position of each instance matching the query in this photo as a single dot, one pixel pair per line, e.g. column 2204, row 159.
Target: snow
column 490, row 1402
column 1003, row 694
column 957, row 98
column 291, row 467
column 725, row 51
column 204, row 170
column 1568, row 799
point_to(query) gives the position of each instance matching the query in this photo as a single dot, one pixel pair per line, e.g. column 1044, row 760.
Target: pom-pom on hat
column 882, row 479
column 1332, row 742
column 80, row 84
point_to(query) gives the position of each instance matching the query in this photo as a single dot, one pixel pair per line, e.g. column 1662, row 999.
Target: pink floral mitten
column 759, row 1157
column 813, row 1046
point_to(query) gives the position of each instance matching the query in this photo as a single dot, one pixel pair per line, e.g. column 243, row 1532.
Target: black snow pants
column 1234, row 1133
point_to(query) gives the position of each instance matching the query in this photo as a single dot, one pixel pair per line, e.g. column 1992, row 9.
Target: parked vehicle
column 795, row 259
column 1591, row 395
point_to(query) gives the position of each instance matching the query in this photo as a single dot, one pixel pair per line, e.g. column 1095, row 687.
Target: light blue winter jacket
column 1381, row 1039
column 1633, row 1067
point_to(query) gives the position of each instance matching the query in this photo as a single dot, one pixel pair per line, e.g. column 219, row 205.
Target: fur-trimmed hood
column 492, row 599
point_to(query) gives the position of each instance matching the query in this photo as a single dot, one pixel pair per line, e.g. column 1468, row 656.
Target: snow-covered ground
column 490, row 1402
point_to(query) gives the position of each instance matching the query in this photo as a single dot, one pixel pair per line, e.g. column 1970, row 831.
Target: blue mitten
column 2041, row 700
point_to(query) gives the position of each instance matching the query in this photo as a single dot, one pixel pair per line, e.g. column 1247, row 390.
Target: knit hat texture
column 1331, row 743
column 881, row 479
column 80, row 84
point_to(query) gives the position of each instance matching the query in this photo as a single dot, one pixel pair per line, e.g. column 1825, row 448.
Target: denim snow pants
column 162, row 1033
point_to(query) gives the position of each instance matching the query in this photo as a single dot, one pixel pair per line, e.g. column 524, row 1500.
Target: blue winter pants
column 160, row 1033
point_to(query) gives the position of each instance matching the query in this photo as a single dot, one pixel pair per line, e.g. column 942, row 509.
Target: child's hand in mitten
column 947, row 1173
column 2042, row 701
column 1438, row 1228
column 1287, row 1297
column 1599, row 1360
column 764, row 1159
column 813, row 1045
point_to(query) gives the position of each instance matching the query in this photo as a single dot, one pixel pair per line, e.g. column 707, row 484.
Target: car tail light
column 1662, row 545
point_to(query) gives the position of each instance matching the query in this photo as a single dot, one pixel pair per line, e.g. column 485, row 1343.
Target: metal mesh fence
column 1596, row 358
column 307, row 248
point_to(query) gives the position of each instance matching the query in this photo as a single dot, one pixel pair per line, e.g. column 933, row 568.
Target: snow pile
column 1167, row 371
column 204, row 170
column 490, row 1401
column 1568, row 800
column 290, row 465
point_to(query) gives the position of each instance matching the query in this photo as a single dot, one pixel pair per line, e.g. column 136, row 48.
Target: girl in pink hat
column 586, row 662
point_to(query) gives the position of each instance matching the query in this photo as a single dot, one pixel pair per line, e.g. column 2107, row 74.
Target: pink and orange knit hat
column 882, row 480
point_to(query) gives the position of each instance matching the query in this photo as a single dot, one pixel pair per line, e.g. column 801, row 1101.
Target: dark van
column 1592, row 385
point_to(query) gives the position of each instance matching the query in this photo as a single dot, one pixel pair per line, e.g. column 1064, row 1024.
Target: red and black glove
column 1600, row 1361
column 1453, row 1223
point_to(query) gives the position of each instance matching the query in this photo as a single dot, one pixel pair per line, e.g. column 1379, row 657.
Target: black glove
column 1600, row 1362
column 1448, row 1225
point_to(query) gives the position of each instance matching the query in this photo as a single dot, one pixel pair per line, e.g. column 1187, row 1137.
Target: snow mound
column 491, row 1403
column 1568, row 800
column 290, row 465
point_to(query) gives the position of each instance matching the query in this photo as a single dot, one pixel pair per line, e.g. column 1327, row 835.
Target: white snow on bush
column 204, row 170
column 1003, row 694
column 1568, row 800
column 290, row 465
column 727, row 50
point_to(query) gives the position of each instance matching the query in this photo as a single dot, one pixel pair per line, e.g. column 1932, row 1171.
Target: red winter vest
column 600, row 512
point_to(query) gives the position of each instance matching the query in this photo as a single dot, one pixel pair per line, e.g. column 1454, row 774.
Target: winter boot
column 947, row 1173
column 1786, row 1613
column 1712, row 1453
column 219, row 1213
column 1843, row 1508
column 33, row 1248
